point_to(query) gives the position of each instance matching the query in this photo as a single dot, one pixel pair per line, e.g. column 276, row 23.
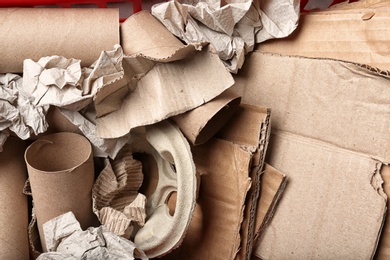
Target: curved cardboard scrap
column 163, row 232
column 160, row 45
column 13, row 203
column 72, row 32
column 202, row 123
column 61, row 172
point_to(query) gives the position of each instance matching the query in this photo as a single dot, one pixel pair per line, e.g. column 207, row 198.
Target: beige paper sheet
column 13, row 203
column 61, row 173
column 32, row 33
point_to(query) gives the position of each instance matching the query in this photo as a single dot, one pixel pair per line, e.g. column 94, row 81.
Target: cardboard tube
column 32, row 33
column 61, row 171
column 13, row 203
column 202, row 123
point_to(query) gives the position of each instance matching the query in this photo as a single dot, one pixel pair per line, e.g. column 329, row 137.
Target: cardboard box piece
column 358, row 35
column 13, row 204
column 329, row 136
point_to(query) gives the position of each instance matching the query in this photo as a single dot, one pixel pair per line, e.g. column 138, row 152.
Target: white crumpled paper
column 17, row 112
column 233, row 28
column 66, row 240
column 62, row 82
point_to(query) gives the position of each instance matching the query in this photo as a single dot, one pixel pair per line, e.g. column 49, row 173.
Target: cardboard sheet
column 214, row 232
column 249, row 128
column 232, row 28
column 13, row 204
column 202, row 123
column 329, row 137
column 72, row 32
column 61, row 173
column 383, row 251
column 166, row 90
column 350, row 35
column 272, row 185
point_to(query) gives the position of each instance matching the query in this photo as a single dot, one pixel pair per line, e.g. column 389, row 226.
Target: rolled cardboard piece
column 32, row 33
column 13, row 203
column 61, row 171
column 202, row 123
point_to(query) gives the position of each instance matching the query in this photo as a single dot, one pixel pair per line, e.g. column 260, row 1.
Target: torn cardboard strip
column 13, row 204
column 323, row 35
column 202, row 123
column 61, row 173
column 154, row 42
column 249, row 128
column 166, row 90
column 329, row 137
column 383, row 251
column 72, row 32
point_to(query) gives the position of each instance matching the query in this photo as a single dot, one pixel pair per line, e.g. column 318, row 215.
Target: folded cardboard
column 71, row 32
column 249, row 128
column 330, row 129
column 14, row 207
column 61, row 173
column 357, row 35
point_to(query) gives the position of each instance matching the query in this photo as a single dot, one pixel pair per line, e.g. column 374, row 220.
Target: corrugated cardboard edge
column 262, row 223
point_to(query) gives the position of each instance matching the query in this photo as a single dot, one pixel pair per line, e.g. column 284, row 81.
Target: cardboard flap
column 336, row 102
column 359, row 35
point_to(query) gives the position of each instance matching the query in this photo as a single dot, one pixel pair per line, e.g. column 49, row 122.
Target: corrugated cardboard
column 13, row 204
column 383, row 251
column 250, row 128
column 357, row 35
column 61, row 173
column 71, row 32
column 330, row 137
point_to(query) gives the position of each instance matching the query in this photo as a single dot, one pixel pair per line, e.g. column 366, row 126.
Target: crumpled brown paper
column 66, row 240
column 232, row 28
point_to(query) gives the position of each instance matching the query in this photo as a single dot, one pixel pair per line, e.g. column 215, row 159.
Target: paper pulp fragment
column 66, row 240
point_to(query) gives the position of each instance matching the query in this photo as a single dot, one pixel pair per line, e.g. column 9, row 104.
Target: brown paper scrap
column 61, row 173
column 13, row 203
column 155, row 41
column 202, row 123
column 167, row 90
column 72, row 32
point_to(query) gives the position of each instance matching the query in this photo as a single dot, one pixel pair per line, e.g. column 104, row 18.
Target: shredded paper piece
column 66, row 240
